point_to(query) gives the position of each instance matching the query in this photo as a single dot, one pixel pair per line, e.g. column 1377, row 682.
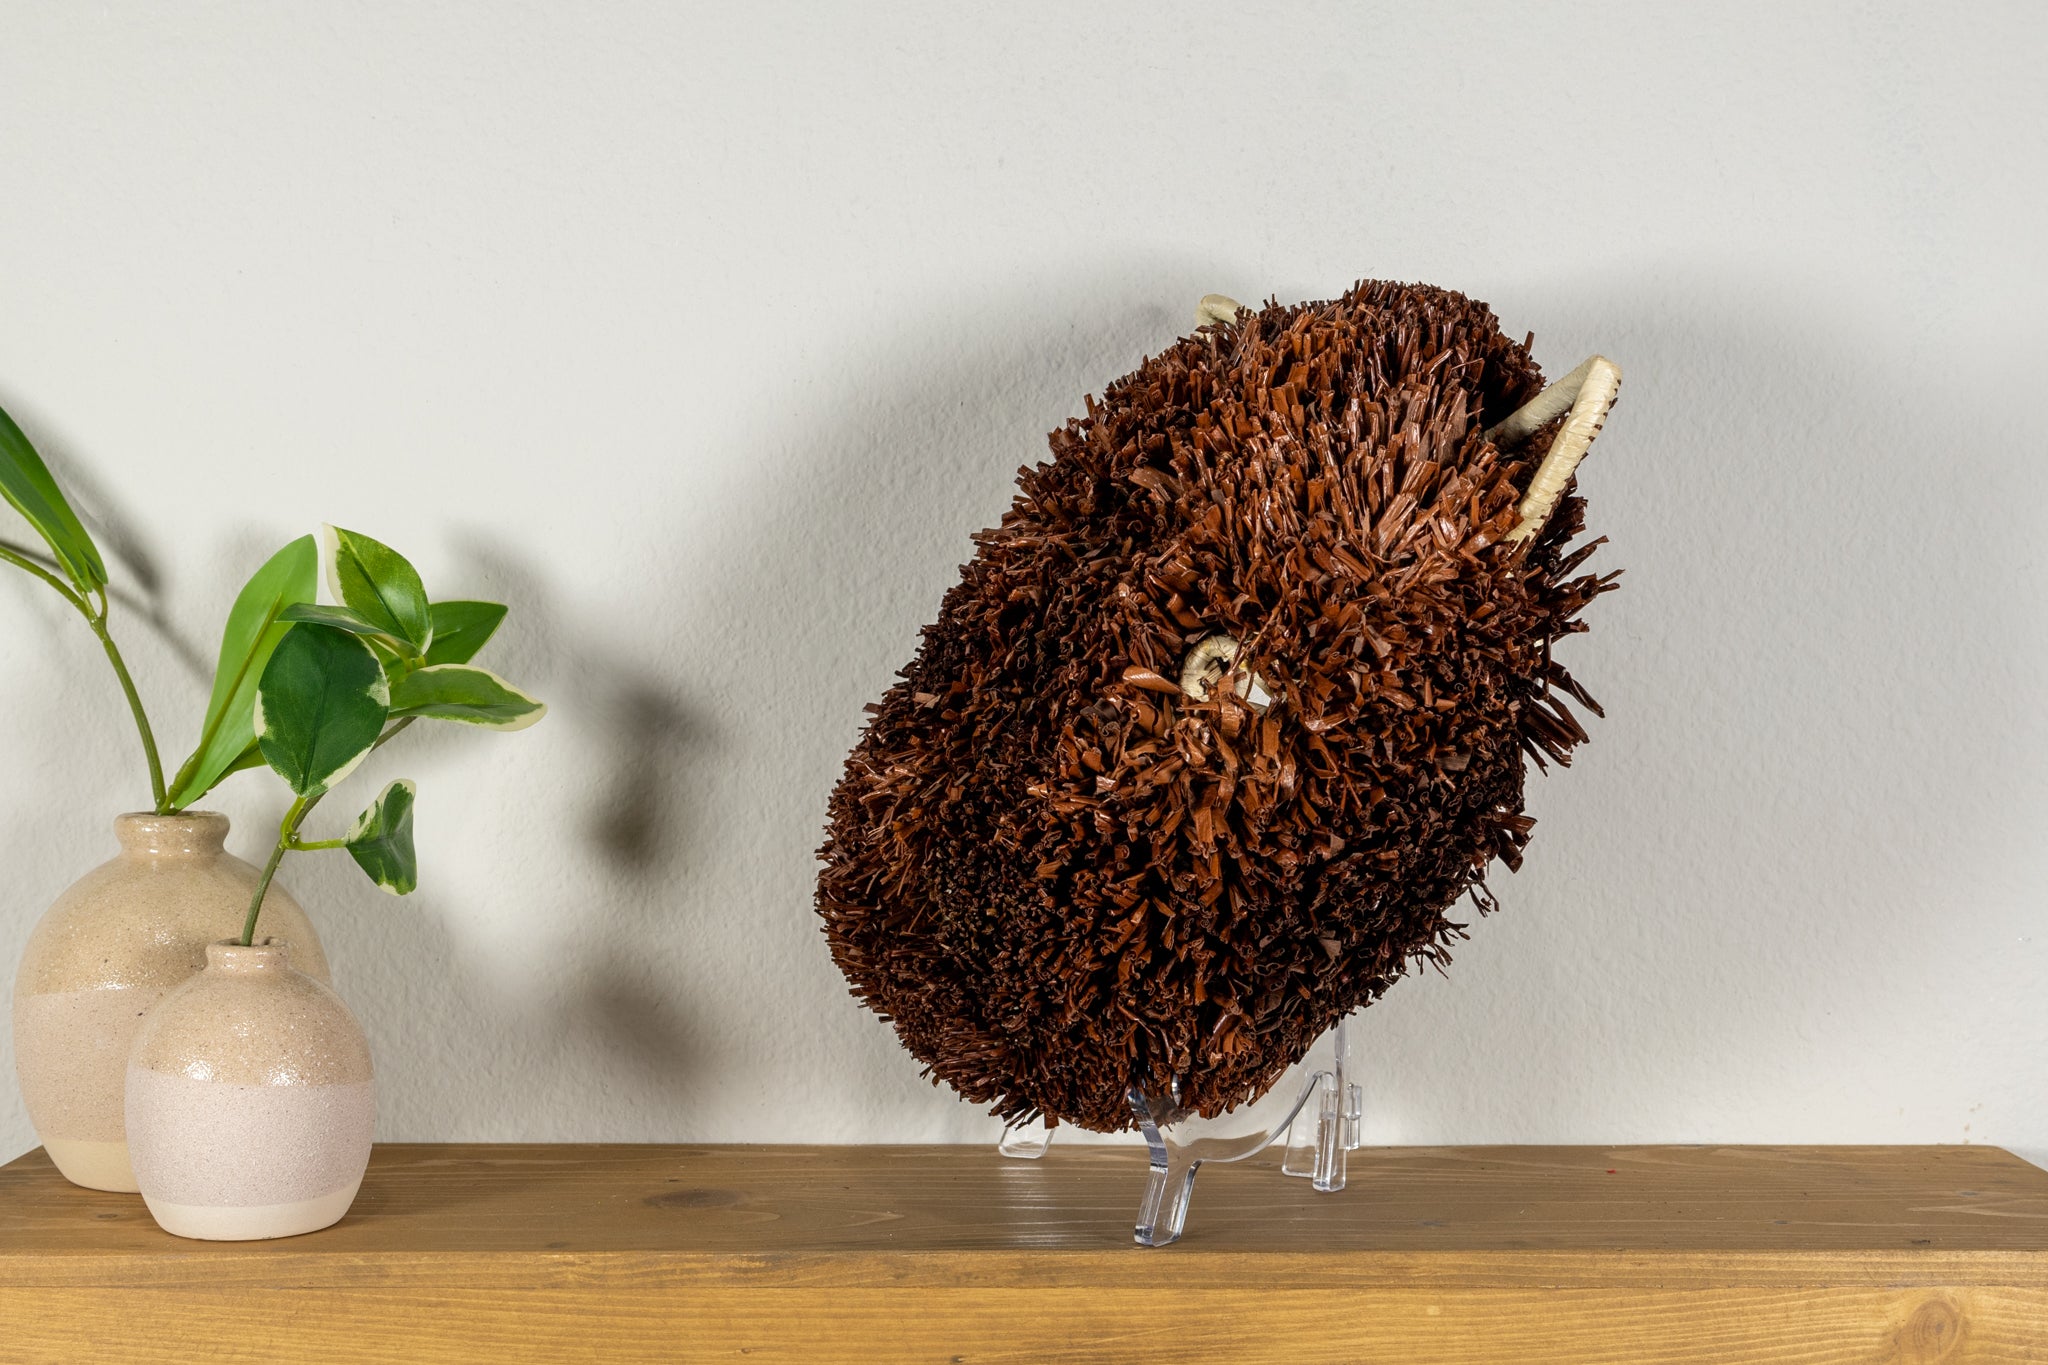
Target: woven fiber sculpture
column 1228, row 713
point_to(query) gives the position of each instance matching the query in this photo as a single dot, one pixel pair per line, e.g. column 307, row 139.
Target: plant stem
column 156, row 765
column 97, row 619
column 286, row 832
column 21, row 560
column 288, row 839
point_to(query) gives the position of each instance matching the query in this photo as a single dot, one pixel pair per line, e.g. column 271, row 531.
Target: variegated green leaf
column 381, row 842
column 341, row 618
column 460, row 692
column 320, row 706
column 461, row 629
column 26, row 483
column 255, row 624
column 377, row 583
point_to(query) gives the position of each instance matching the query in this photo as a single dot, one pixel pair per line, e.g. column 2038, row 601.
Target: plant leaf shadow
column 646, row 748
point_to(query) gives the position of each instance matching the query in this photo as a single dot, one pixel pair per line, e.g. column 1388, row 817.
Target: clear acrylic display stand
column 1316, row 1106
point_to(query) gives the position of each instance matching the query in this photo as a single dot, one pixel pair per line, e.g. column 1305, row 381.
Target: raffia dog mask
column 1228, row 713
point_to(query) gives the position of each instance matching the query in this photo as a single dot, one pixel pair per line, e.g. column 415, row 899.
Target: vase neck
column 191, row 834
column 265, row 955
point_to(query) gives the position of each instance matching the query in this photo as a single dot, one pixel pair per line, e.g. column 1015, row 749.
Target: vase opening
column 264, row 955
column 187, row 833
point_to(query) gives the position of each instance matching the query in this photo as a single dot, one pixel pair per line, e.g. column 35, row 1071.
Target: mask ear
column 1585, row 395
column 1217, row 309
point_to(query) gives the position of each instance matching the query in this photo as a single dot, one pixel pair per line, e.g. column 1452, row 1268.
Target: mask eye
column 1210, row 660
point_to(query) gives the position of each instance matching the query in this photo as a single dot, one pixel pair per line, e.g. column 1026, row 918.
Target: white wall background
column 705, row 335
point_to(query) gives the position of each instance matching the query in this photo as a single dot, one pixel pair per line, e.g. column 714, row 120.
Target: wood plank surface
column 1807, row 1255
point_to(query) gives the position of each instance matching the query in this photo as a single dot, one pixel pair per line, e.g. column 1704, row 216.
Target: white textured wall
column 705, row 335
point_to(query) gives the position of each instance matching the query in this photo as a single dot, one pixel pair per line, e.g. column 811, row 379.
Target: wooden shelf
column 1809, row 1255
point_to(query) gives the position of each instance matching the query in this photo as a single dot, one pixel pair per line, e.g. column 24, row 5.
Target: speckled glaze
column 120, row 939
column 250, row 1100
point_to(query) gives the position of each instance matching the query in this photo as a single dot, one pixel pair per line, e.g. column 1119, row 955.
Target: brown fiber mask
column 1227, row 714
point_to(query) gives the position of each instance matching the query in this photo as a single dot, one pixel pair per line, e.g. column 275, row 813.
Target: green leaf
column 255, row 624
column 26, row 483
column 461, row 629
column 459, row 692
column 397, row 663
column 251, row 757
column 381, row 842
column 320, row 706
column 341, row 618
column 375, row 582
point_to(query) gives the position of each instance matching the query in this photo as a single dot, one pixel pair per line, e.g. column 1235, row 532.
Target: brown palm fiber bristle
column 1059, row 876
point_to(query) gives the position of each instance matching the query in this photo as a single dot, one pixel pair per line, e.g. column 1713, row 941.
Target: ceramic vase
column 120, row 939
column 250, row 1100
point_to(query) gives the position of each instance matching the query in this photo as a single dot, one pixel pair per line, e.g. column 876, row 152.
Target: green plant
column 306, row 688
column 73, row 569
column 344, row 678
column 255, row 625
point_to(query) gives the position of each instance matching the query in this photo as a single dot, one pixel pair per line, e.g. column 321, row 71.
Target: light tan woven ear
column 1586, row 395
column 1217, row 308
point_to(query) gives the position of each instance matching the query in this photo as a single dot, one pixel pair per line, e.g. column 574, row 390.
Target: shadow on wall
column 650, row 743
column 636, row 815
column 474, row 1041
column 696, row 980
column 844, row 543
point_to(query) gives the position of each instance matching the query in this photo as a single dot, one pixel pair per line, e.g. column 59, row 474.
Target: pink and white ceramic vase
column 114, row 944
column 250, row 1100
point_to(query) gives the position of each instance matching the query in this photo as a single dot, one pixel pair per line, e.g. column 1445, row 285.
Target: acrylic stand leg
column 1322, row 1137
column 1321, row 1125
column 1163, row 1212
column 1176, row 1156
column 1025, row 1141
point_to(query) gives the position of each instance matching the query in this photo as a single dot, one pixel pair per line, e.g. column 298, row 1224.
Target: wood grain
column 1461, row 1255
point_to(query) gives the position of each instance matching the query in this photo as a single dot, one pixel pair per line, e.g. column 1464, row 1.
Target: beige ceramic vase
column 250, row 1101
column 116, row 943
